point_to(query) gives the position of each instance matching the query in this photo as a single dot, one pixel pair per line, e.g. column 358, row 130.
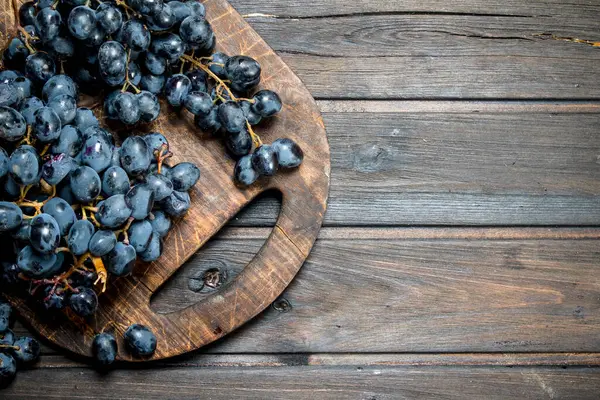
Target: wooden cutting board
column 215, row 200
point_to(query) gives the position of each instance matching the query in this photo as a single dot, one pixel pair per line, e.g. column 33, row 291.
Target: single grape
column 232, row 117
column 25, row 165
column 11, row 216
column 12, row 124
column 46, row 125
column 155, row 141
column 140, row 199
column 264, row 160
column 85, row 118
column 135, row 157
column 156, row 65
column 81, row 22
column 209, row 122
column 140, row 234
column 57, row 168
column 169, row 46
column 59, row 85
column 198, row 103
column 244, row 174
column 27, row 350
column 177, row 89
column 85, row 184
column 163, row 20
column 289, row 154
column 161, row 185
column 121, row 260
column 79, row 237
column 102, row 242
column 196, row 31
column 62, row 212
column 97, row 152
column 10, row 275
column 184, row 176
column 115, row 181
column 243, row 72
column 84, row 302
column 113, row 212
column 23, row 88
column 149, row 106
column 104, row 349
column 36, row 265
column 177, row 204
column 8, row 369
column 65, row 107
column 135, row 35
column 240, row 143
column 109, row 17
column 112, row 59
column 153, row 83
column 127, row 108
column 266, row 103
column 69, row 142
column 44, row 234
column 47, row 24
column 15, row 55
column 27, row 13
column 161, row 223
column 29, row 107
column 139, row 340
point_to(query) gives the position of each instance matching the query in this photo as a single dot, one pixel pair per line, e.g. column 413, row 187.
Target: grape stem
column 255, row 138
column 8, row 346
column 205, row 68
column 162, row 154
column 127, row 81
column 123, row 231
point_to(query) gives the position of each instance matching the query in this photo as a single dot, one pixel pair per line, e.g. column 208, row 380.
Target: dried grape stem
column 210, row 73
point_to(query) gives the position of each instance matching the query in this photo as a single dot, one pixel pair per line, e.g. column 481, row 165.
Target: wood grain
column 214, row 201
column 379, row 382
column 509, row 164
column 418, row 290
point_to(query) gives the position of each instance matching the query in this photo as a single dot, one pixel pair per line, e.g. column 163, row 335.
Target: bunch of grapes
column 14, row 351
column 136, row 50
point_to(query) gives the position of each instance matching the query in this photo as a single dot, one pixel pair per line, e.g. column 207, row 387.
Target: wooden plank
column 487, row 164
column 434, row 290
column 380, row 382
column 416, row 54
column 324, row 8
column 200, row 359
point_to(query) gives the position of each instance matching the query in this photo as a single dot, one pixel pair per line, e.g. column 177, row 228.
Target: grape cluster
column 14, row 351
column 136, row 50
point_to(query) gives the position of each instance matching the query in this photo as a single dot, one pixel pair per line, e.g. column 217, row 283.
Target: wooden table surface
column 460, row 256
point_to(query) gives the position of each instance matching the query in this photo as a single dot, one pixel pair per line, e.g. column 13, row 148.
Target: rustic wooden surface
column 215, row 200
column 459, row 257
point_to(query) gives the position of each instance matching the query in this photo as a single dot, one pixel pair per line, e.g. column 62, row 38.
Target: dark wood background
column 460, row 256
